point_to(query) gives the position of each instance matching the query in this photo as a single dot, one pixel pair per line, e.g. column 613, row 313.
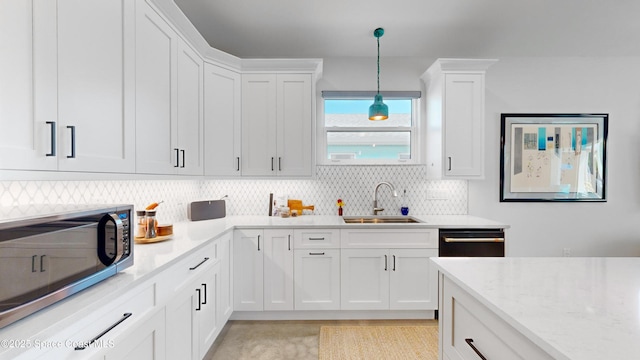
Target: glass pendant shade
column 378, row 110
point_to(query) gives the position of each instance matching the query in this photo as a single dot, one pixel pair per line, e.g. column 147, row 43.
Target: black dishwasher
column 471, row 242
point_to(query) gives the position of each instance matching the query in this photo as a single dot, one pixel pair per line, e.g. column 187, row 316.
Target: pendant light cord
column 378, row 38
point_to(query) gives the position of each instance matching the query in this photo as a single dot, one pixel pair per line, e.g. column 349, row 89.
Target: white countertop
column 151, row 259
column 573, row 308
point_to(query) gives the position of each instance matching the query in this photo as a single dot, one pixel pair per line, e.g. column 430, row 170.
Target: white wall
column 569, row 85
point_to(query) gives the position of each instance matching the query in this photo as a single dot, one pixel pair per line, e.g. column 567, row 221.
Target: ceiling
column 418, row 28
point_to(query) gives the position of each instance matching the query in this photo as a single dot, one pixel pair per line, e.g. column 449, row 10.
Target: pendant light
column 378, row 110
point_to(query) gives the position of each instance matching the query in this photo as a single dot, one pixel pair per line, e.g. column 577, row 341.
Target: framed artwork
column 553, row 157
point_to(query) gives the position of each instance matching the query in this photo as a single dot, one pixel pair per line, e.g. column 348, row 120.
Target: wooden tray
column 141, row 240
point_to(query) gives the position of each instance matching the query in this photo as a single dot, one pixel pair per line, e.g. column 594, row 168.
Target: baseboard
column 333, row 315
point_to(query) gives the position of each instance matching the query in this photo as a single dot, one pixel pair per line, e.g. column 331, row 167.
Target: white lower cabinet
column 192, row 311
column 263, row 270
column 374, row 277
column 278, row 269
column 469, row 330
column 248, row 247
column 317, row 279
column 145, row 341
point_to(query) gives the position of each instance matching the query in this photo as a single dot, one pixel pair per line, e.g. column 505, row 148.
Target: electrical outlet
column 566, row 252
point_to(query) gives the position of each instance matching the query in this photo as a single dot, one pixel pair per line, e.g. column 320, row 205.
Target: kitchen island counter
column 571, row 308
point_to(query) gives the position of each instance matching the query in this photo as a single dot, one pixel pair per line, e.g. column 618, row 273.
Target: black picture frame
column 553, row 157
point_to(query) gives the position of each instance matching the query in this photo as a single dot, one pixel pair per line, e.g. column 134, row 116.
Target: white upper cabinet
column 222, row 121
column 169, row 90
column 24, row 140
column 455, row 118
column 277, row 125
column 156, row 52
column 66, row 89
column 190, row 113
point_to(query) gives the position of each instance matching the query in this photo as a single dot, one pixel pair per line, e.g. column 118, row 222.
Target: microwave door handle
column 108, row 259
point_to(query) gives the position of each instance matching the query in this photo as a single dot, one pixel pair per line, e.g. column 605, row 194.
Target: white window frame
column 414, row 130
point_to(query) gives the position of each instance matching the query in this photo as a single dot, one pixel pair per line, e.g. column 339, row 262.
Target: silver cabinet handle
column 238, row 167
column 124, row 317
column 73, row 142
column 394, row 263
column 182, row 151
column 319, row 253
column 33, row 263
column 279, row 163
column 53, row 138
column 318, row 239
column 42, row 263
column 449, row 163
column 177, row 157
column 470, row 343
column 199, row 300
column 201, row 262
column 385, row 263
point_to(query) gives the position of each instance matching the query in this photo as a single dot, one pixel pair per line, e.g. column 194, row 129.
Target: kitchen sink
column 380, row 220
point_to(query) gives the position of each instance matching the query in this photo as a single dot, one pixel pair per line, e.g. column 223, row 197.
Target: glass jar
column 152, row 224
column 285, row 212
column 141, row 224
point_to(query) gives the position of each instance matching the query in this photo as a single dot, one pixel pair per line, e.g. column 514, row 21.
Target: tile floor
column 281, row 340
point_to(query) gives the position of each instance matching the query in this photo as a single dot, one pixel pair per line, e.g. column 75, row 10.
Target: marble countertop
column 573, row 308
column 151, row 259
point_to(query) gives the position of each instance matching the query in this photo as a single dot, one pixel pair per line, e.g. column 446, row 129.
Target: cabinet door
column 181, row 324
column 248, row 249
column 259, row 125
column 25, row 139
column 225, row 288
column 206, row 314
column 413, row 281
column 95, row 59
column 294, row 149
column 278, row 270
column 317, row 279
column 190, row 120
column 147, row 341
column 364, row 279
column 464, row 125
column 222, row 121
column 156, row 51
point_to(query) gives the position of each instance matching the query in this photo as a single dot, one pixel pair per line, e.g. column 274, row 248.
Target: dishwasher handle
column 470, row 239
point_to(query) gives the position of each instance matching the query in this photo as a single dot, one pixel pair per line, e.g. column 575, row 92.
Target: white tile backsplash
column 353, row 184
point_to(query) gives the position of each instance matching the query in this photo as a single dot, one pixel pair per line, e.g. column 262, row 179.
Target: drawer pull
column 385, row 262
column 289, row 242
column 316, row 239
column 470, row 343
column 394, row 263
column 199, row 300
column 124, row 317
column 201, row 262
column 320, row 253
column 204, row 302
column 453, row 240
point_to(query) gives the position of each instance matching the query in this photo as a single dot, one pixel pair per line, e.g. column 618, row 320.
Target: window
column 351, row 138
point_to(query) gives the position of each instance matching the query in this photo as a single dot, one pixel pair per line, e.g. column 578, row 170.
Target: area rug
column 378, row 342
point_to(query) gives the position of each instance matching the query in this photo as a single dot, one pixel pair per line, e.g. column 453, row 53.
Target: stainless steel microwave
column 48, row 253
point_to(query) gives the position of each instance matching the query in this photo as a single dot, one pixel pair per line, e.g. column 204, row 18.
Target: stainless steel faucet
column 376, row 209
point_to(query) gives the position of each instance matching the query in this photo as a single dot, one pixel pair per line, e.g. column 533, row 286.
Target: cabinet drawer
column 466, row 322
column 185, row 270
column 114, row 319
column 316, row 238
column 389, row 238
